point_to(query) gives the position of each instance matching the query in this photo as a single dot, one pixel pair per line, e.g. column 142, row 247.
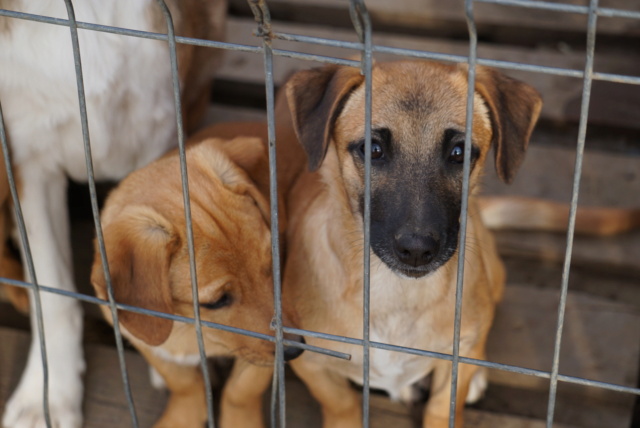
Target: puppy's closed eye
column 225, row 300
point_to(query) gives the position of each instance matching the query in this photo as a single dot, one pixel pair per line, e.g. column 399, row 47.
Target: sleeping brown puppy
column 145, row 236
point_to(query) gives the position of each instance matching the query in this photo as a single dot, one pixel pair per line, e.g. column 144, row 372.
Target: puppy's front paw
column 478, row 386
column 25, row 410
column 184, row 411
column 156, row 379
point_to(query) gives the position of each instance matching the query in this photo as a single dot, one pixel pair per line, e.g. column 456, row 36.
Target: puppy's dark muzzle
column 293, row 352
column 416, row 250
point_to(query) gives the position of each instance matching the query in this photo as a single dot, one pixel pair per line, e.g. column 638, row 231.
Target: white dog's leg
column 44, row 205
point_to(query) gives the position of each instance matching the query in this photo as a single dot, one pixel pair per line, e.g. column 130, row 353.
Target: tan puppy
column 418, row 127
column 417, row 151
column 145, row 235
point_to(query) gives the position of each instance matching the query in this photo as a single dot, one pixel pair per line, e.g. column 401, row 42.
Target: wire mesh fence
column 366, row 49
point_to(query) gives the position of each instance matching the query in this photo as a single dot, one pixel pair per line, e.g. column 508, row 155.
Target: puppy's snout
column 291, row 352
column 416, row 250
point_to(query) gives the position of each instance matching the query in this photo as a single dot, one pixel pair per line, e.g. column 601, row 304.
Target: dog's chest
column 126, row 80
column 408, row 313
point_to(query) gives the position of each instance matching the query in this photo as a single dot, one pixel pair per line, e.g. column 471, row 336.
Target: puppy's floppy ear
column 139, row 245
column 248, row 188
column 244, row 169
column 250, row 154
column 316, row 98
column 514, row 108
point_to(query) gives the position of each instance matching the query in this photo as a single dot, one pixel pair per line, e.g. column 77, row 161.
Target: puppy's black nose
column 291, row 352
column 416, row 250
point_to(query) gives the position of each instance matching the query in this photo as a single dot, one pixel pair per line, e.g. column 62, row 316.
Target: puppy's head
column 418, row 133
column 148, row 254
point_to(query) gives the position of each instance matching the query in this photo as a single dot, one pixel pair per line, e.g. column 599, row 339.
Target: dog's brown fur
column 417, row 101
column 146, row 245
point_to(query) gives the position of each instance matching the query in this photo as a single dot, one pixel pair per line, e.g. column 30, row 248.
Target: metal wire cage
column 366, row 48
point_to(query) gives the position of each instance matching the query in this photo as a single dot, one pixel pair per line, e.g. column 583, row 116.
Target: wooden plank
column 104, row 402
column 612, row 104
column 449, row 16
column 608, row 180
column 601, row 341
column 616, row 255
column 484, row 419
column 604, row 285
column 217, row 113
column 415, row 12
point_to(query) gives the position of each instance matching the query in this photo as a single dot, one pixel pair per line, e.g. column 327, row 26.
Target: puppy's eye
column 224, row 301
column 457, row 154
column 376, row 150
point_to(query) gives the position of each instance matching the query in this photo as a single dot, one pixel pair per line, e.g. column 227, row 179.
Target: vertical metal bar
column 362, row 24
column 582, row 132
column 35, row 288
column 278, row 395
column 95, row 210
column 187, row 210
column 473, row 44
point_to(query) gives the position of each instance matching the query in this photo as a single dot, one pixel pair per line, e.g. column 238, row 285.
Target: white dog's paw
column 478, row 386
column 24, row 410
column 156, row 379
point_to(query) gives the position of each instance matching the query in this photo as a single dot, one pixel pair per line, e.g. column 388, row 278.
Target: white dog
column 131, row 116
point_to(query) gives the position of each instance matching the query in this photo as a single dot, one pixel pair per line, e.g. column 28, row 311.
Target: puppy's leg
column 241, row 402
column 187, row 406
column 341, row 406
column 478, row 386
column 44, row 205
column 156, row 379
column 436, row 413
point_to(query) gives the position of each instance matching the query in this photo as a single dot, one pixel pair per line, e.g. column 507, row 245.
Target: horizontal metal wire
column 414, row 53
column 187, row 320
column 564, row 7
column 465, row 360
